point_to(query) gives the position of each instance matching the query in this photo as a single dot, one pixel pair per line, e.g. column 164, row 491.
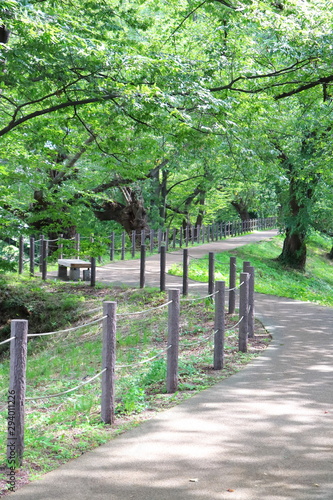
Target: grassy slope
column 62, row 428
column 315, row 285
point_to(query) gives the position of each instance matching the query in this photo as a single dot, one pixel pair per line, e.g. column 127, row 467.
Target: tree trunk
column 131, row 216
column 294, row 250
column 242, row 209
column 330, row 255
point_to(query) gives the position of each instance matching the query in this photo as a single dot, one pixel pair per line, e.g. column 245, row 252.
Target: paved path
column 266, row 433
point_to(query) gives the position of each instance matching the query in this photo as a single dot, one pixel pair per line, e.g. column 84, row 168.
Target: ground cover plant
column 315, row 284
column 61, row 428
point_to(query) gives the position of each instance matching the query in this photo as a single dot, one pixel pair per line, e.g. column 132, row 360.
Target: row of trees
column 154, row 113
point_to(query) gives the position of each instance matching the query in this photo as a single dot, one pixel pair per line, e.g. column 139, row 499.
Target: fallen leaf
column 194, row 480
column 230, row 490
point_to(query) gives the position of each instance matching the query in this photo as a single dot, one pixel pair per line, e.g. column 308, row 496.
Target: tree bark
column 242, row 209
column 131, row 216
column 294, row 250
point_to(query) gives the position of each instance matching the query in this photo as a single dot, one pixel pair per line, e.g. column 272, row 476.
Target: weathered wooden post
column 250, row 270
column 211, row 272
column 21, row 255
column 77, row 245
column 232, row 286
column 185, row 271
column 16, row 393
column 41, row 239
column 142, row 266
column 109, row 362
column 219, row 325
column 133, row 243
column 174, row 235
column 180, row 237
column 44, row 259
column 32, row 256
column 152, row 236
column 243, row 312
column 112, row 246
column 123, row 245
column 162, row 268
column 173, row 340
column 61, row 246
column 186, row 235
column 198, row 234
column 93, row 271
column 143, row 237
column 159, row 239
column 166, row 240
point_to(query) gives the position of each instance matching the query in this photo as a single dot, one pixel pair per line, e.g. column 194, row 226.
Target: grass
column 313, row 285
column 59, row 429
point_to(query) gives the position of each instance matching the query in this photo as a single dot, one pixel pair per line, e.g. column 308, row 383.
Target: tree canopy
column 146, row 113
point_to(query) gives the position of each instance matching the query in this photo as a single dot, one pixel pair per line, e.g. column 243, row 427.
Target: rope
column 201, row 341
column 235, row 326
column 69, row 390
column 200, row 298
column 8, row 340
column 68, row 329
column 146, row 360
column 146, row 310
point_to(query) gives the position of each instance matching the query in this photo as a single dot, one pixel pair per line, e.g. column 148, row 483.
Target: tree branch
column 301, row 88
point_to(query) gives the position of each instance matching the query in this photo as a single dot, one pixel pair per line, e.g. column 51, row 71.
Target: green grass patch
column 62, row 428
column 314, row 285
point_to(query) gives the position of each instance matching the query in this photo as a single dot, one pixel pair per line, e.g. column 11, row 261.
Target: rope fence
column 109, row 316
column 41, row 250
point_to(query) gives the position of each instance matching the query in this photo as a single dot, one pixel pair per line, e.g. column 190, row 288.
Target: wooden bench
column 74, row 269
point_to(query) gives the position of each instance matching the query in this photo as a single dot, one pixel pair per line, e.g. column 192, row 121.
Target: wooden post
column 16, row 393
column 243, row 312
column 203, row 234
column 32, row 255
column 246, row 264
column 173, row 340
column 143, row 237
column 211, row 272
column 61, row 246
column 159, row 239
column 109, row 362
column 142, row 266
column 167, row 239
column 185, row 271
column 152, row 235
column 219, row 325
column 162, row 268
column 93, row 271
column 232, row 286
column 123, row 245
column 112, row 246
column 180, row 237
column 186, row 235
column 77, row 245
column 250, row 270
column 198, row 234
column 44, row 259
column 41, row 239
column 21, row 255
column 174, row 235
column 133, row 243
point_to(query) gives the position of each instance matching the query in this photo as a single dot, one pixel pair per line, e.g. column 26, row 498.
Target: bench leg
column 74, row 274
column 86, row 275
column 62, row 273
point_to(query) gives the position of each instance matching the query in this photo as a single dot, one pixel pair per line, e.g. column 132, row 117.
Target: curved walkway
column 265, row 433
